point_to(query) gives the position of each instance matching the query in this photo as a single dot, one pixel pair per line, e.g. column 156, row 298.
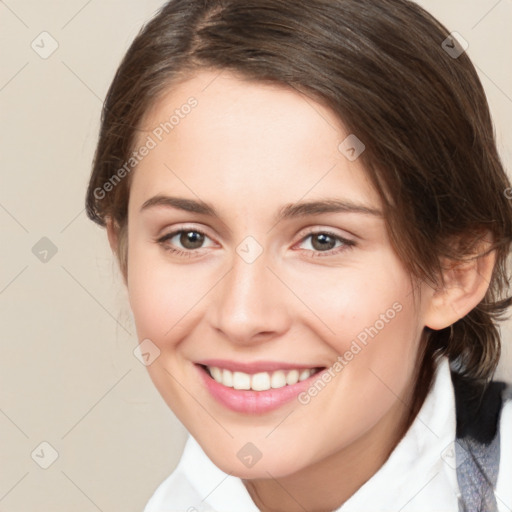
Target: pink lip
column 253, row 402
column 254, row 367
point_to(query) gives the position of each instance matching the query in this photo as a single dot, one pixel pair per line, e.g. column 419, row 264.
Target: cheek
column 375, row 327
column 377, row 330
column 162, row 296
column 168, row 300
column 362, row 302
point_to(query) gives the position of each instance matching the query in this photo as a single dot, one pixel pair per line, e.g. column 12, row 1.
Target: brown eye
column 185, row 241
column 191, row 239
column 323, row 241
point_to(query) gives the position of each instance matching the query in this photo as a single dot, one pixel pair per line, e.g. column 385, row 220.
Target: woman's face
column 256, row 247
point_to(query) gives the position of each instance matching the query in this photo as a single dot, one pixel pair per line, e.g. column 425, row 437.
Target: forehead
column 220, row 135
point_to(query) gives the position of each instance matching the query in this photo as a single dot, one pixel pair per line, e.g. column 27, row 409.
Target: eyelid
column 346, row 242
column 317, row 229
column 167, row 231
column 171, row 233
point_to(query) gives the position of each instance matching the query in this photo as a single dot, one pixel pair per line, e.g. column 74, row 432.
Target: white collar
column 418, row 476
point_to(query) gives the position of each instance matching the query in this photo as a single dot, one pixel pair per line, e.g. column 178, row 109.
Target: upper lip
column 255, row 366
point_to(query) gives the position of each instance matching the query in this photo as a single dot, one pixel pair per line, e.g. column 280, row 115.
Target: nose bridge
column 249, row 301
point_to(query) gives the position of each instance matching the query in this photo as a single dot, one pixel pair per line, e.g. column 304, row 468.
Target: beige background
column 68, row 376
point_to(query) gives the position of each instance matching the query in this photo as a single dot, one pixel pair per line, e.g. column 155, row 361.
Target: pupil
column 191, row 239
column 326, row 242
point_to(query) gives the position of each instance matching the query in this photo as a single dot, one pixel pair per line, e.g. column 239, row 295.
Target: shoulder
column 478, row 407
column 503, row 487
column 484, row 442
column 506, row 427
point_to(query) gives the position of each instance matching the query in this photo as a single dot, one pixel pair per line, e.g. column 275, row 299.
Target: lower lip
column 254, row 402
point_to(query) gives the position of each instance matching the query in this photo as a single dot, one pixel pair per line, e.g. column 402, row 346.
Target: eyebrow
column 292, row 210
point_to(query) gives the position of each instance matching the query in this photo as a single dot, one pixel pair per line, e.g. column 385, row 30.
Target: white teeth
column 278, row 379
column 216, row 373
column 304, row 374
column 292, row 377
column 262, row 381
column 241, row 380
column 227, row 378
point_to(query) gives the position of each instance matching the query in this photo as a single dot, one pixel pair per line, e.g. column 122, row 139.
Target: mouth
column 255, row 388
column 260, row 381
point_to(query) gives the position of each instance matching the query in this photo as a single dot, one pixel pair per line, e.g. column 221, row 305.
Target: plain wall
column 68, row 376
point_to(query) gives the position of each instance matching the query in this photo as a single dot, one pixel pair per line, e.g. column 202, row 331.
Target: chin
column 272, row 462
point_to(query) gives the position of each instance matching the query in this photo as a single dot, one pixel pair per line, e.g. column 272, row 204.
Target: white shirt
column 419, row 475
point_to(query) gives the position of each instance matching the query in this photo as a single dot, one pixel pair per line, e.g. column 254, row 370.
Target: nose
column 250, row 303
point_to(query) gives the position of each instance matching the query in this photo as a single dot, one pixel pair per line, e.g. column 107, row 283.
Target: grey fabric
column 477, row 469
column 477, row 474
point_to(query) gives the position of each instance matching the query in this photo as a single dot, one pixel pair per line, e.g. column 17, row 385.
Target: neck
column 327, row 484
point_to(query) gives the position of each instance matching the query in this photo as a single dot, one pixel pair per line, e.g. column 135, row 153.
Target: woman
column 310, row 215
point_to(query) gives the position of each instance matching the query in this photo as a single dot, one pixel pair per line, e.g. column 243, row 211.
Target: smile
column 261, row 381
column 255, row 388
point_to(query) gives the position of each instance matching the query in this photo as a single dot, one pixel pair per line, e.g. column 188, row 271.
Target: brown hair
column 382, row 67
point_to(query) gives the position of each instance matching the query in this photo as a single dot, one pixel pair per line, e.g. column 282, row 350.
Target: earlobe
column 465, row 285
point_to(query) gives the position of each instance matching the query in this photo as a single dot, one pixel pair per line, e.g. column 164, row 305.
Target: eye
column 318, row 243
column 188, row 239
column 324, row 243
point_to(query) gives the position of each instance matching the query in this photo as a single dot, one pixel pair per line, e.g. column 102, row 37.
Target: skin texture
column 250, row 149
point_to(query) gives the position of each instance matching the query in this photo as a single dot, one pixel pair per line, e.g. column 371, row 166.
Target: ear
column 112, row 233
column 465, row 285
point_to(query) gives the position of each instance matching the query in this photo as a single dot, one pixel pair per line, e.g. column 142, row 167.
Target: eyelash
column 346, row 244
